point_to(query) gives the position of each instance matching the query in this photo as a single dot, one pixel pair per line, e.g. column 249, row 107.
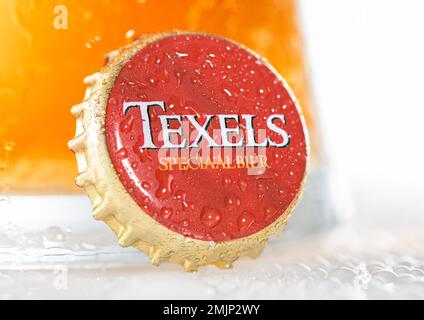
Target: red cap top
column 205, row 137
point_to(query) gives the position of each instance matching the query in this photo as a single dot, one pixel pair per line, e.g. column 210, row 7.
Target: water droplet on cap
column 227, row 181
column 122, row 153
column 185, row 223
column 242, row 185
column 127, row 124
column 210, row 217
column 245, row 220
column 166, row 213
column 165, row 180
column 231, row 201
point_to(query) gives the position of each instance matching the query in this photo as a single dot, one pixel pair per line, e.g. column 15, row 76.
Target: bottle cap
column 191, row 147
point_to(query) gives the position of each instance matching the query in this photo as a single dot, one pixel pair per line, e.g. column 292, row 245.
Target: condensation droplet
column 269, row 212
column 126, row 125
column 185, row 223
column 129, row 34
column 242, row 185
column 166, row 213
column 54, row 237
column 245, row 220
column 227, row 181
column 8, row 146
column 179, row 74
column 143, row 154
column 231, row 201
column 122, row 153
column 165, row 180
column 210, row 217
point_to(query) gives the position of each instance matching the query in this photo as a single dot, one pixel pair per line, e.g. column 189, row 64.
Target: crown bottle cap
column 191, row 147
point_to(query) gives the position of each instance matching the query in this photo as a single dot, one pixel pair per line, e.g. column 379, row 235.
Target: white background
column 367, row 65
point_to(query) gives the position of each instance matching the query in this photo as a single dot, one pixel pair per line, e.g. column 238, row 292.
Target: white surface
column 349, row 262
column 64, row 253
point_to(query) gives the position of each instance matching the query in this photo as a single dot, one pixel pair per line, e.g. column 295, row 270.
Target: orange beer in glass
column 48, row 49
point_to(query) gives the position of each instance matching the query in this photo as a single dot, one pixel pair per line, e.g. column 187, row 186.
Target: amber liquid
column 48, row 50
